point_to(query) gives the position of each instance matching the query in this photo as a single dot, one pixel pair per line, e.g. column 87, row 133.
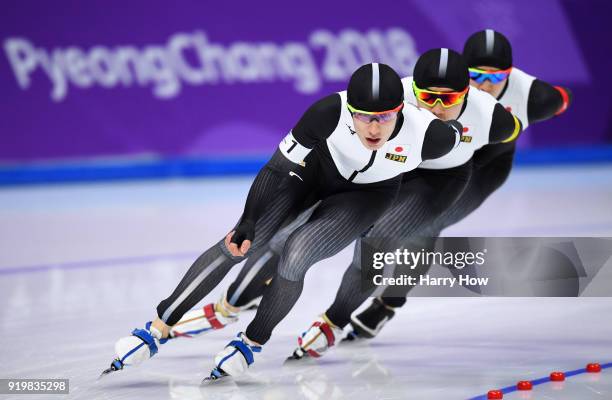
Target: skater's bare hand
column 233, row 247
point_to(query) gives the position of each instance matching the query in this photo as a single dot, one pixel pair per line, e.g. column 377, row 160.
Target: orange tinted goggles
column 447, row 99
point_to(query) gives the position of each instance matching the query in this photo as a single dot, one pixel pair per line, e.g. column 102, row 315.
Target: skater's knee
column 277, row 244
column 294, row 261
column 292, row 268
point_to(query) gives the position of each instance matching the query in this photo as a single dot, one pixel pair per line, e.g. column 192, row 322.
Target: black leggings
column 420, row 202
column 260, row 268
column 424, row 195
column 492, row 166
column 334, row 224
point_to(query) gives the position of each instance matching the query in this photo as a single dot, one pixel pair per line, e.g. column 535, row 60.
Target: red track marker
column 495, row 395
column 557, row 376
column 593, row 368
column 524, row 385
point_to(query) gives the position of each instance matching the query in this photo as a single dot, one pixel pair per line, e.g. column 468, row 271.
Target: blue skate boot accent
column 229, row 362
column 147, row 338
column 246, row 350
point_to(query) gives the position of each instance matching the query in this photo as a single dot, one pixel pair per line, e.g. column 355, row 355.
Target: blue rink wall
column 186, row 167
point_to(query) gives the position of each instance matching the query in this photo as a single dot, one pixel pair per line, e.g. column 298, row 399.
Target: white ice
column 82, row 265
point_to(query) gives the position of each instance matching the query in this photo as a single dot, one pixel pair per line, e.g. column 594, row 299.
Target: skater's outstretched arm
column 440, row 138
column 261, row 193
column 317, row 123
column 545, row 101
column 505, row 127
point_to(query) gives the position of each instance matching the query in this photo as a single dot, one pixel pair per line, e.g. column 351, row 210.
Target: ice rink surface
column 82, row 265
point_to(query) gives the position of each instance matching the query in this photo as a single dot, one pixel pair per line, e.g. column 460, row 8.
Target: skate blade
column 116, row 365
column 216, row 375
column 298, row 355
column 351, row 337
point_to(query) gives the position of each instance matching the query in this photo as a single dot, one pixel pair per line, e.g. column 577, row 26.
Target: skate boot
column 137, row 348
column 321, row 335
column 235, row 359
column 211, row 317
column 370, row 321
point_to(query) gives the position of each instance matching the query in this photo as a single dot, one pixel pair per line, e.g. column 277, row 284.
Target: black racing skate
column 369, row 322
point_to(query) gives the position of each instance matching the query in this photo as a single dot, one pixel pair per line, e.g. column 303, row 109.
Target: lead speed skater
column 336, row 155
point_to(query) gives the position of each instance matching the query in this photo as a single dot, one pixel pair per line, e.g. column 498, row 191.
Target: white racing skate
column 234, row 359
column 135, row 349
column 321, row 335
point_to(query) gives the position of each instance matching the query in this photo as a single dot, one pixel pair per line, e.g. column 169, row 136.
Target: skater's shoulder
column 319, row 120
column 328, row 105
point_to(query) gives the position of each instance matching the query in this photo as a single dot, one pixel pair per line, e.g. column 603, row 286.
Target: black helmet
column 441, row 68
column 488, row 48
column 375, row 87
